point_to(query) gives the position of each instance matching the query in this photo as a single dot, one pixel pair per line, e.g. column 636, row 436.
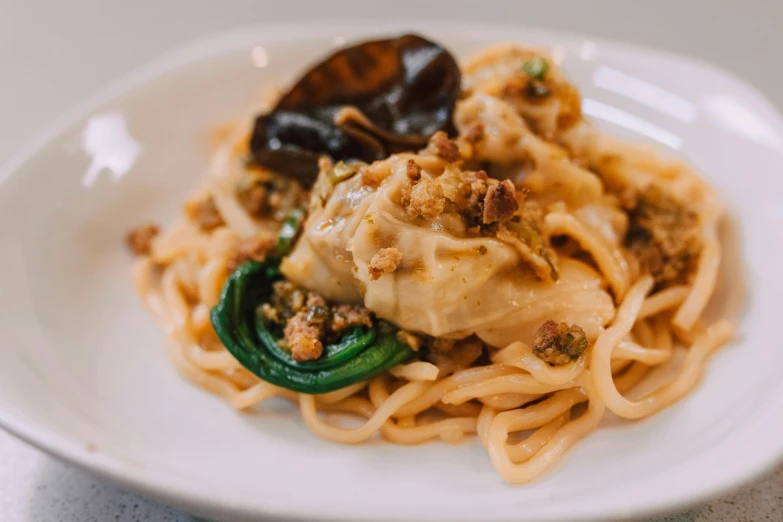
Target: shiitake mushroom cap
column 363, row 102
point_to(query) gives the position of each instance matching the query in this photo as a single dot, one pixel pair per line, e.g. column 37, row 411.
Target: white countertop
column 55, row 53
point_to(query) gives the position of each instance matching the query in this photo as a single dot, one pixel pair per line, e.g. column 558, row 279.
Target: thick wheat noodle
column 520, row 355
column 620, row 365
column 600, row 363
column 341, row 394
column 541, row 412
column 663, row 335
column 209, row 381
column 436, row 392
column 663, row 300
column 200, row 320
column 520, row 383
column 210, row 282
column 226, row 170
column 467, row 409
column 407, row 434
column 259, row 392
column 611, row 266
column 659, row 336
column 175, row 344
column 630, row 351
column 485, row 417
column 524, row 450
column 449, row 429
column 534, row 417
column 207, row 360
column 642, row 332
column 693, row 366
column 241, row 377
column 631, row 377
column 378, row 391
column 176, row 303
column 406, row 431
column 506, row 401
column 703, row 284
column 416, row 371
column 407, row 421
column 373, row 424
column 184, row 276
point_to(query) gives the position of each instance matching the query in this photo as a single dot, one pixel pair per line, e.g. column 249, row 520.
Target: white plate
column 84, row 374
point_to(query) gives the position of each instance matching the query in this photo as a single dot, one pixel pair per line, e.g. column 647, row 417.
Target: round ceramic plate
column 83, row 369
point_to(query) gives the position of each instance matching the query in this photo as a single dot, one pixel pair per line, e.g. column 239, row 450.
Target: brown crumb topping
column 348, row 316
column 304, row 331
column 500, row 202
column 435, row 345
column 570, row 105
column 461, row 354
column 204, row 213
column 559, row 344
column 443, row 147
column 490, row 207
column 251, row 249
column 466, row 192
column 413, row 170
column 308, row 321
column 475, row 133
column 139, row 240
column 385, row 261
column 477, row 187
column 426, row 200
column 525, row 232
column 663, row 234
column 441, row 345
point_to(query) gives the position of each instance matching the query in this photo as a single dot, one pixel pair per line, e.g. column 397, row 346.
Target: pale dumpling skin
column 446, row 284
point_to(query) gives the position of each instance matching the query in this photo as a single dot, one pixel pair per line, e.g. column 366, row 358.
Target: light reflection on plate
column 108, row 143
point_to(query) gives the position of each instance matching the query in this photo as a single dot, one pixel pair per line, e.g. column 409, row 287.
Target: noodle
column 611, row 266
column 416, row 371
column 182, row 277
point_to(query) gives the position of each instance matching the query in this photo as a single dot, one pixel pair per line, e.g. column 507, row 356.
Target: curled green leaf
column 361, row 353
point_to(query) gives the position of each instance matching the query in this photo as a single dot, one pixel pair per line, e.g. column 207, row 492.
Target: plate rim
column 212, row 45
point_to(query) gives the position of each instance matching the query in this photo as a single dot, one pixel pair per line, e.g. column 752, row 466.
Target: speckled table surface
column 85, row 43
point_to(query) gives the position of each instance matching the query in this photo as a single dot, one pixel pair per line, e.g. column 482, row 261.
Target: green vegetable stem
column 290, row 229
column 536, row 68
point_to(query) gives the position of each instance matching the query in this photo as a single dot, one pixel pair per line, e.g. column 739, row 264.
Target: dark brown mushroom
column 361, row 103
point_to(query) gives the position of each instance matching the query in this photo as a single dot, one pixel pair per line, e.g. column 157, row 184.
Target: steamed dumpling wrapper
column 447, row 284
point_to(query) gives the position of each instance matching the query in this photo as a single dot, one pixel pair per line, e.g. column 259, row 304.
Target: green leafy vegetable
column 290, row 229
column 360, row 354
column 536, row 68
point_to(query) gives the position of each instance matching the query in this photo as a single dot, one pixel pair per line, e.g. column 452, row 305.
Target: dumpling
column 449, row 281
